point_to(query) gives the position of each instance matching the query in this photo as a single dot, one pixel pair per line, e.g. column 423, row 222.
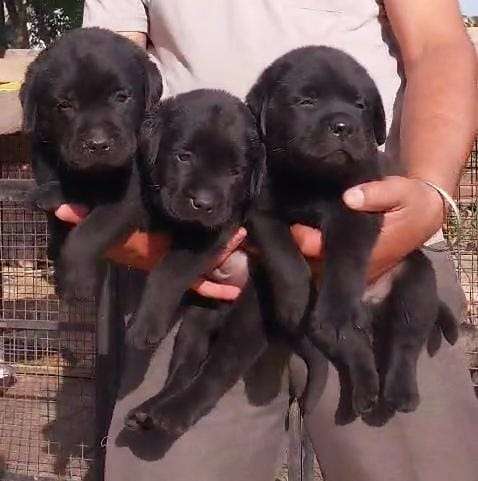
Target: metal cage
column 465, row 254
column 47, row 402
column 466, row 248
column 60, row 363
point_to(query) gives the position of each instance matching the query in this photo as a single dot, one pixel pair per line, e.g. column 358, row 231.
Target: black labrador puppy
column 206, row 167
column 84, row 100
column 322, row 118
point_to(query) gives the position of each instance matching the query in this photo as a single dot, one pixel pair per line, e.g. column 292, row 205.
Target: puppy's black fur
column 322, row 119
column 206, row 167
column 201, row 142
column 84, row 100
column 214, row 348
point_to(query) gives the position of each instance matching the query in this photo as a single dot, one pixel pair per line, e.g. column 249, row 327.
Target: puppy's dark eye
column 306, row 102
column 184, row 157
column 121, row 97
column 360, row 104
column 235, row 171
column 63, row 105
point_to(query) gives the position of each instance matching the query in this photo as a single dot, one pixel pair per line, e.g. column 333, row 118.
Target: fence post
column 109, row 340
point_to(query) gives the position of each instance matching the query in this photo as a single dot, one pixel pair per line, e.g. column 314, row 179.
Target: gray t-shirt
column 227, row 43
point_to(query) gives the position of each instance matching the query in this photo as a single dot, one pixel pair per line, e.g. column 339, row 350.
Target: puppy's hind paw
column 365, row 398
column 170, row 420
column 148, row 420
column 139, row 419
column 404, row 401
column 400, row 390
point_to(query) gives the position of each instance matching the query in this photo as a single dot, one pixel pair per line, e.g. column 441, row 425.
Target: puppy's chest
column 301, row 202
column 93, row 190
column 312, row 211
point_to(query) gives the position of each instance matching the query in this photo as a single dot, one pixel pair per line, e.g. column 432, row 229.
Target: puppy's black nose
column 202, row 200
column 97, row 144
column 341, row 129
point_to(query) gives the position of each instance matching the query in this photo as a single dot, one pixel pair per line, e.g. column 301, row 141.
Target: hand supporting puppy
column 413, row 212
column 142, row 250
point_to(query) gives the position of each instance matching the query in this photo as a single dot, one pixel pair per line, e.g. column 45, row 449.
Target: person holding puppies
column 425, row 68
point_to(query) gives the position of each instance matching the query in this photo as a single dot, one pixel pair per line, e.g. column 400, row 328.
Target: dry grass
column 26, row 283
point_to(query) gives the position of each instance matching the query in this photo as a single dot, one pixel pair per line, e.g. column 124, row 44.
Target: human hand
column 413, row 213
column 143, row 250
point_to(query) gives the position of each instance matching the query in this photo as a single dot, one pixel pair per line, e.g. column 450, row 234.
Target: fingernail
column 72, row 213
column 219, row 274
column 354, row 197
column 62, row 212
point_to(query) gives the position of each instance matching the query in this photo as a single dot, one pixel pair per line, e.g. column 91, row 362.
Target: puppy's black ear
column 258, row 159
column 28, row 99
column 153, row 85
column 149, row 138
column 378, row 114
column 258, row 97
column 258, row 100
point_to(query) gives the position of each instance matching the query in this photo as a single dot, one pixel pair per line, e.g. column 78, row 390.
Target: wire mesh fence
column 465, row 254
column 466, row 247
column 47, row 404
column 47, row 400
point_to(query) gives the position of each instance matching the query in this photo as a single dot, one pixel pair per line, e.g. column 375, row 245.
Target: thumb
column 377, row 196
column 232, row 245
column 72, row 213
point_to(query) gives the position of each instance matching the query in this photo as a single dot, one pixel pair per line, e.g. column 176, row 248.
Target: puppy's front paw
column 291, row 307
column 76, row 280
column 339, row 315
column 333, row 323
column 144, row 333
column 47, row 197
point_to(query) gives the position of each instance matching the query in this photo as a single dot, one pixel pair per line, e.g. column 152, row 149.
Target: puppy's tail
column 447, row 323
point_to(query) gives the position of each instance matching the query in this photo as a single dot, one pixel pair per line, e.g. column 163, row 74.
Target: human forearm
column 439, row 117
column 139, row 38
column 127, row 17
column 143, row 250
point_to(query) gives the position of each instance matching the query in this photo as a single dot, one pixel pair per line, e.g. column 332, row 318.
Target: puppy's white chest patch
column 379, row 290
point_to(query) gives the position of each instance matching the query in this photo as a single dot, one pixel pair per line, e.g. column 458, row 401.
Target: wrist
column 434, row 202
column 437, row 199
column 445, row 179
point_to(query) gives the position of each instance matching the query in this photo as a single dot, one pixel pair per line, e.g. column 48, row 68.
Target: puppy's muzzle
column 341, row 129
column 202, row 200
column 342, row 126
column 98, row 143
